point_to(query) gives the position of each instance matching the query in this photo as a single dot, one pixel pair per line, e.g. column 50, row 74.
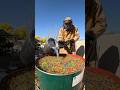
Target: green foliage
column 21, row 33
column 7, row 27
column 37, row 37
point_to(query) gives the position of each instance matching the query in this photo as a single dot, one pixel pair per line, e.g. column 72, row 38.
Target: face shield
column 67, row 24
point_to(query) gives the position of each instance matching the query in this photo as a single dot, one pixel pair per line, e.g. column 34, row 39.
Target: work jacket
column 65, row 35
column 95, row 26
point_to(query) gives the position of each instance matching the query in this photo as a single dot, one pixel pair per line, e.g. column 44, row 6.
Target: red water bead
column 78, row 64
column 70, row 69
column 77, row 56
column 58, row 70
column 58, row 65
column 65, row 61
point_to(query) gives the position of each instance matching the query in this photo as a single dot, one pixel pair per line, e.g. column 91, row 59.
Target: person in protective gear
column 95, row 26
column 68, row 35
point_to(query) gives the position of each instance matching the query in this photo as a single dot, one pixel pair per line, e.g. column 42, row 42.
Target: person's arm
column 100, row 25
column 60, row 35
column 77, row 36
column 100, row 22
column 61, row 38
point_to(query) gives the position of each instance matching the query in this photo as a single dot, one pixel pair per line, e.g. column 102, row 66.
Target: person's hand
column 61, row 44
column 67, row 42
column 72, row 40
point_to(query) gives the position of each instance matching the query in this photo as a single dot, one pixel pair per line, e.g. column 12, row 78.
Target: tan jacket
column 95, row 26
column 65, row 35
column 95, row 18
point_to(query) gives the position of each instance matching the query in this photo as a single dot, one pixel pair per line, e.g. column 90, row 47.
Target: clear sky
column 112, row 12
column 17, row 12
column 49, row 16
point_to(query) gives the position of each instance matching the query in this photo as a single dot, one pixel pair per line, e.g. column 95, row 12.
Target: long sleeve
column 77, row 35
column 96, row 20
column 100, row 20
column 60, row 35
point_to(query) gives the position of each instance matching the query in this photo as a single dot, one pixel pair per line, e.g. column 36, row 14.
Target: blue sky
column 112, row 13
column 49, row 16
column 17, row 12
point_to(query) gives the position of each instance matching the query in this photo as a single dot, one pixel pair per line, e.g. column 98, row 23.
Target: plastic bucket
column 49, row 81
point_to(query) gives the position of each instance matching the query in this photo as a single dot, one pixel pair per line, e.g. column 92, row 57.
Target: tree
column 7, row 27
column 21, row 33
column 37, row 37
